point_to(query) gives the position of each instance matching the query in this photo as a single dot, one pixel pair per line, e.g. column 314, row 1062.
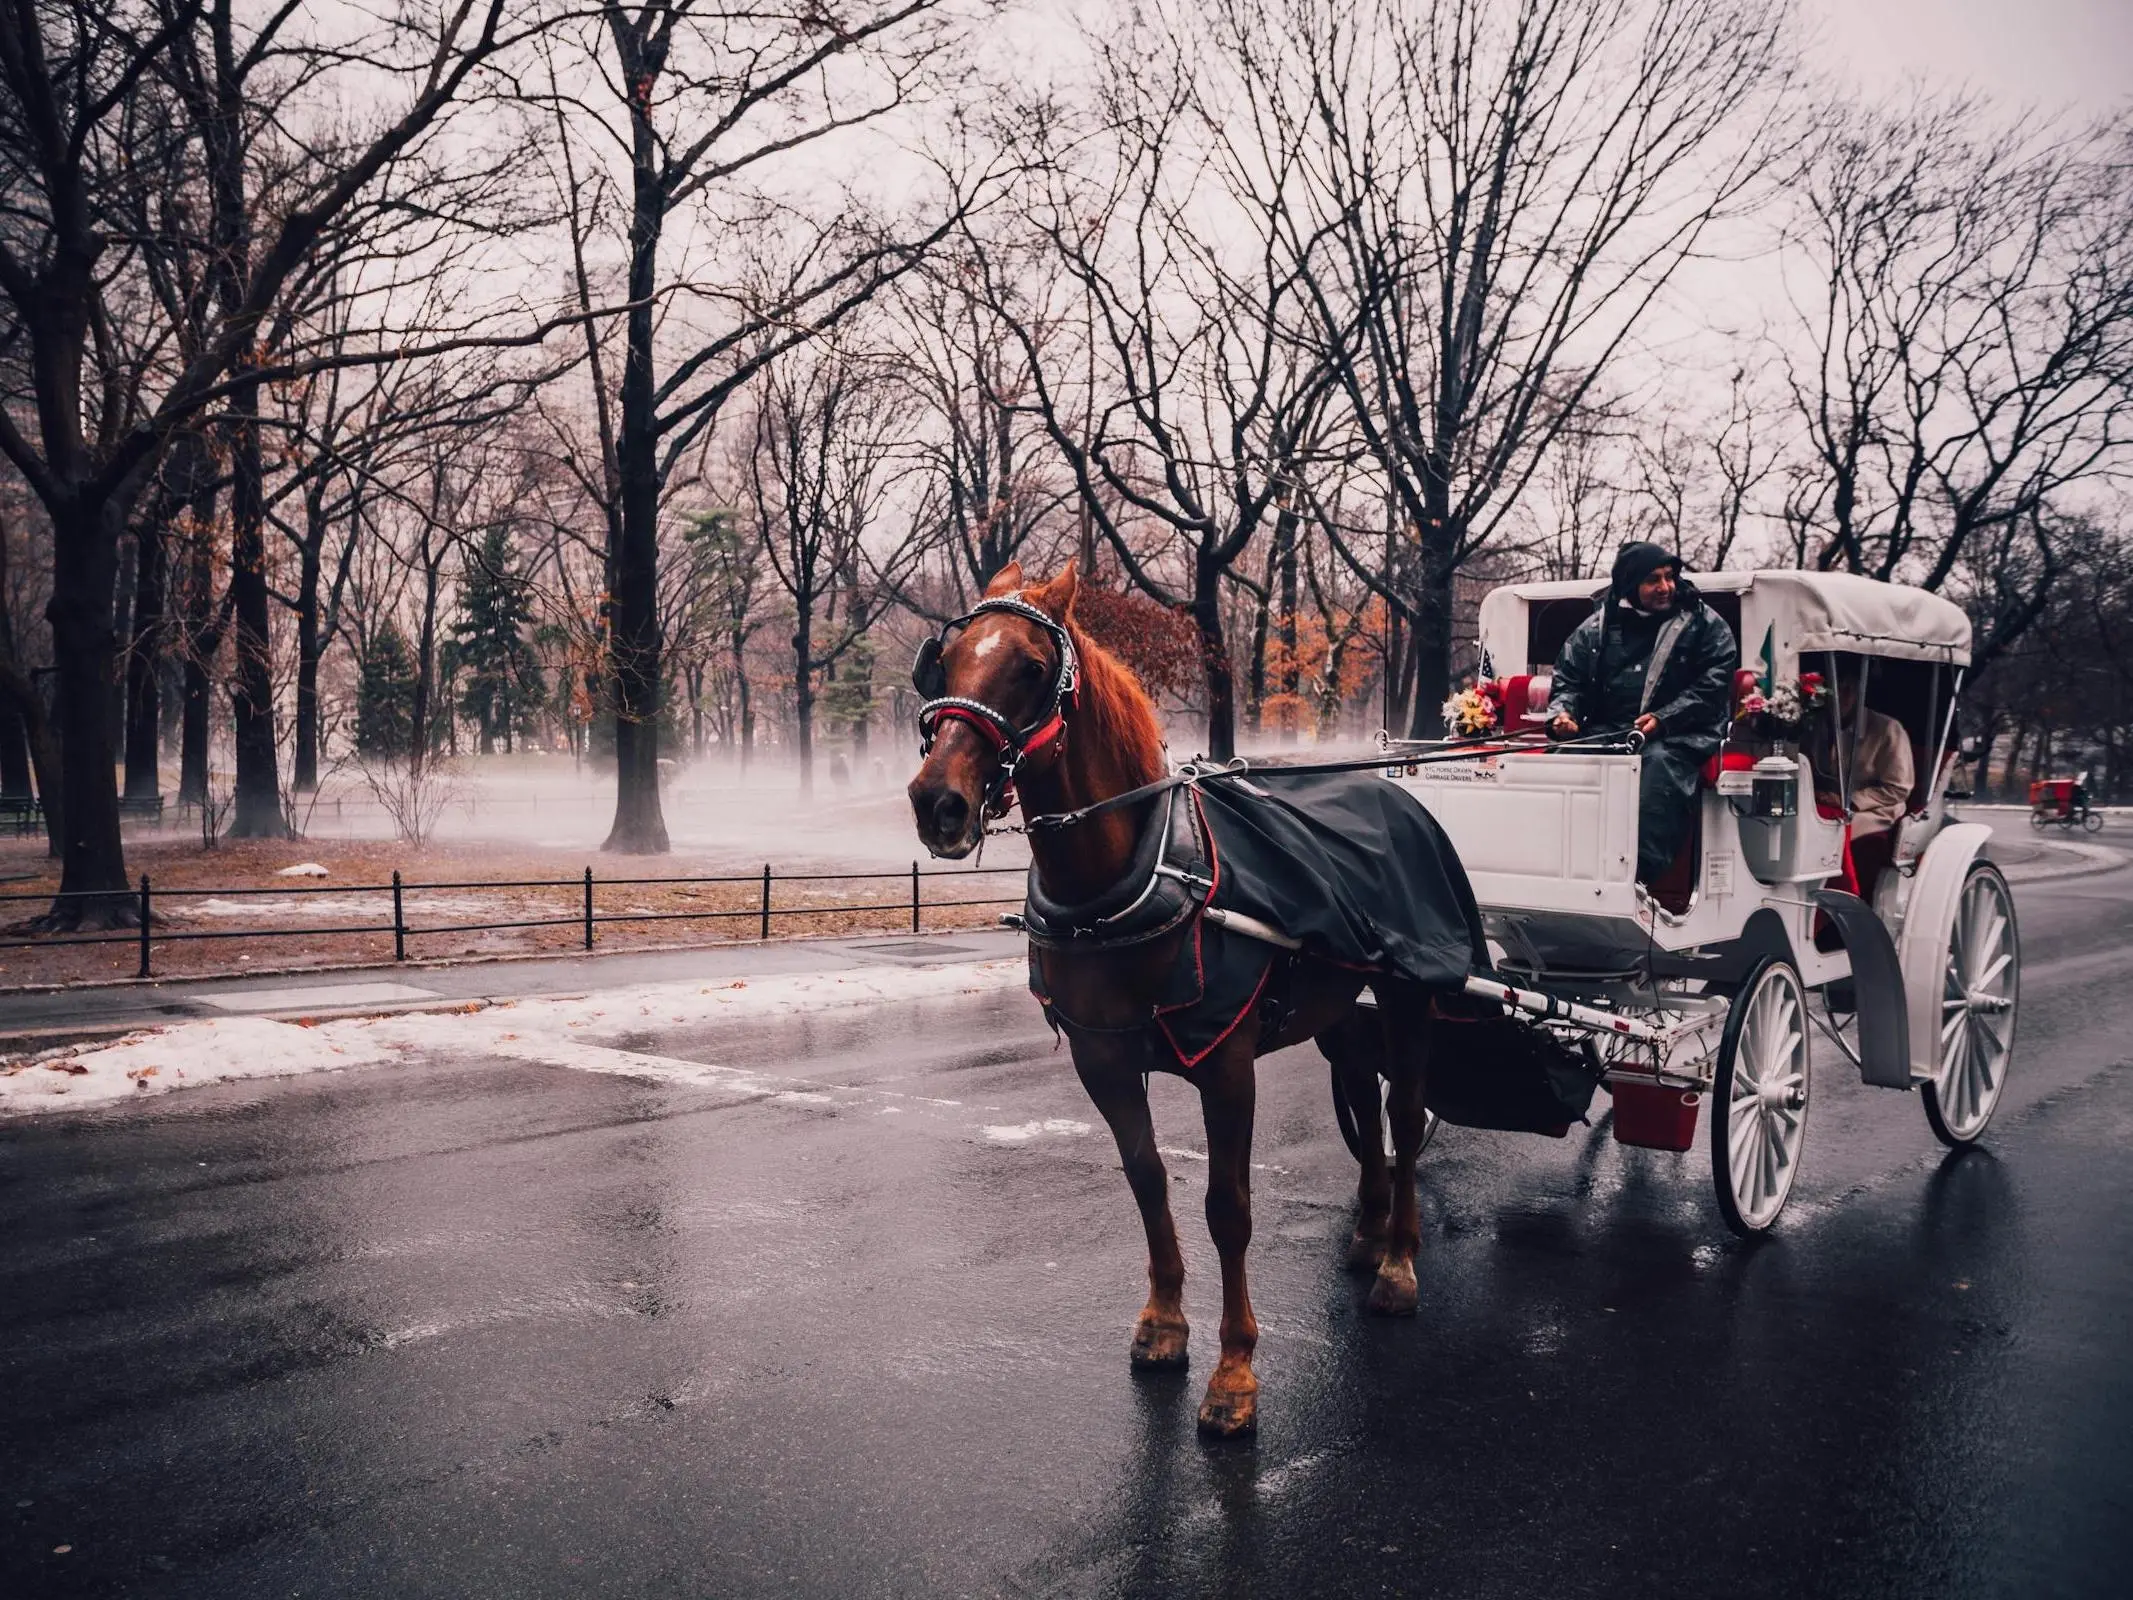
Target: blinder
column 928, row 676
column 1012, row 745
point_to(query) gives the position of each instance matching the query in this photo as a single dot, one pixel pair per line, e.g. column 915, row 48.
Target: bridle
column 1011, row 745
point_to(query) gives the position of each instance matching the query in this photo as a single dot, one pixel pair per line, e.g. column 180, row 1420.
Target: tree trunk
column 201, row 635
column 1255, row 679
column 308, row 648
column 419, row 738
column 1433, row 628
column 92, row 878
column 803, row 699
column 143, row 660
column 258, row 814
column 27, row 727
column 15, row 781
column 1290, row 678
column 633, row 635
column 740, row 674
column 1214, row 650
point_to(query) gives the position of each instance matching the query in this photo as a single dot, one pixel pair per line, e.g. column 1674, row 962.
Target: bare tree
column 1188, row 408
column 1967, row 339
column 77, row 106
column 692, row 104
column 987, row 474
column 824, row 464
column 1499, row 192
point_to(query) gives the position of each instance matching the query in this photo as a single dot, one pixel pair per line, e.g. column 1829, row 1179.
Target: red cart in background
column 2064, row 803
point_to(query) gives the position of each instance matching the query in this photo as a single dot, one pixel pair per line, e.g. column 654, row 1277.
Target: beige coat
column 1882, row 775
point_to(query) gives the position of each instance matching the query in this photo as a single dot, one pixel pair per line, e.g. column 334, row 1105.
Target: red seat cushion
column 1726, row 761
column 1520, row 714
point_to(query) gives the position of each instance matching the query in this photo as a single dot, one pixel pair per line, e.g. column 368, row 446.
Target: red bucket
column 1654, row 1118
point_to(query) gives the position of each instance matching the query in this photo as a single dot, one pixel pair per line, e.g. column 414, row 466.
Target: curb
column 2095, row 859
column 498, row 959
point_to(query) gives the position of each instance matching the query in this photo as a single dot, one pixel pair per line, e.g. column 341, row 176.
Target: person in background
column 1655, row 658
column 1882, row 776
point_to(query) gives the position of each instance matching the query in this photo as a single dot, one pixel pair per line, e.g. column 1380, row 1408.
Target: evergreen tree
column 499, row 671
column 850, row 697
column 385, row 697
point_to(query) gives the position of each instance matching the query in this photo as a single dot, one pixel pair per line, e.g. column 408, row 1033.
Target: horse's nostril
column 951, row 813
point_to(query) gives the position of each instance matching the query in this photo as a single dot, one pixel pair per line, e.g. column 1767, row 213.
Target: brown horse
column 1025, row 695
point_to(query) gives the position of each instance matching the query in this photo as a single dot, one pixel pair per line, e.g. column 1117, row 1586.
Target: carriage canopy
column 1842, row 611
column 1797, row 613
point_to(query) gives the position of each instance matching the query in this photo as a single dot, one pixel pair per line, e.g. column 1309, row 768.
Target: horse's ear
column 1056, row 599
column 1006, row 581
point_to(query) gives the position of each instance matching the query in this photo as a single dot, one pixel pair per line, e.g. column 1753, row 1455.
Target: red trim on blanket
column 1189, row 1062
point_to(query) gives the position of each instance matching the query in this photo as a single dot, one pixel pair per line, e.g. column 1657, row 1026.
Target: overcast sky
column 2056, row 54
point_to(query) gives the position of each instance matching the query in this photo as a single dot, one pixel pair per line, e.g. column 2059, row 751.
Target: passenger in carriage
column 1878, row 762
column 1655, row 658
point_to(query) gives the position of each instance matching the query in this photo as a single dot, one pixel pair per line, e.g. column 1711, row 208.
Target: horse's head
column 997, row 683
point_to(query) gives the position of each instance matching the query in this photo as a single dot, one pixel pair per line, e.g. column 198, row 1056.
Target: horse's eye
column 1032, row 670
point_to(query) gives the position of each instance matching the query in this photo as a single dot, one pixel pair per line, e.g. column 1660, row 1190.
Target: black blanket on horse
column 1347, row 863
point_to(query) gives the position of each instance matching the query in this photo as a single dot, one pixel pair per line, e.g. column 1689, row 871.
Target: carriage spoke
column 1993, row 938
column 2000, row 964
column 1743, row 1152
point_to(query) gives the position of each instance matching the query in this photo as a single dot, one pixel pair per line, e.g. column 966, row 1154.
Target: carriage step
column 1654, row 1117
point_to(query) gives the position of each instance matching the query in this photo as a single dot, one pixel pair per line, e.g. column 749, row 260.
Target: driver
column 1655, row 658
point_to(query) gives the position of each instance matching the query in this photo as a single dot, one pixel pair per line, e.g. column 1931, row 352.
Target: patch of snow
column 538, row 1031
column 1023, row 1132
column 304, row 869
column 375, row 907
column 221, row 1050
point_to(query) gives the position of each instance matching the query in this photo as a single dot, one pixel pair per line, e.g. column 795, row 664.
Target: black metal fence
column 583, row 915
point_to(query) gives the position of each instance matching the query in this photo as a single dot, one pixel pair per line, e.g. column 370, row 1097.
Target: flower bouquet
column 1781, row 714
column 1475, row 712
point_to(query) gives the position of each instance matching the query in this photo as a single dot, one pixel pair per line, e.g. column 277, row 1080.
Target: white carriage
column 1708, row 984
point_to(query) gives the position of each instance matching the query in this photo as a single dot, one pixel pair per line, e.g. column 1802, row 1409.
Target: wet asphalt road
column 479, row 1328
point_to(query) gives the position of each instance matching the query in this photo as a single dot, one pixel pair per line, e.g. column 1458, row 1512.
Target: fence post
column 588, row 908
column 766, row 900
column 914, row 897
column 144, row 925
column 399, row 922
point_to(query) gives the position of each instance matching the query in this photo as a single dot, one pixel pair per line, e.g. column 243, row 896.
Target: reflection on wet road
column 483, row 1327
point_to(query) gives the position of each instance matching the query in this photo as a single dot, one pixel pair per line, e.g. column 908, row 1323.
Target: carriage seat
column 1525, row 702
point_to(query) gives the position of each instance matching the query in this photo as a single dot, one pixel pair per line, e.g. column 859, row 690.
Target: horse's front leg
column 1227, row 1088
column 1395, row 1293
column 1121, row 1095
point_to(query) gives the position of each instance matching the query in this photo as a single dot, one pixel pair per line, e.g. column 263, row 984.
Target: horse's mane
column 1115, row 713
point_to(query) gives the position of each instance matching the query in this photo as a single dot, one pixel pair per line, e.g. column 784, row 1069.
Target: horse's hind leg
column 1226, row 1101
column 1355, row 1047
column 1160, row 1333
column 1395, row 1292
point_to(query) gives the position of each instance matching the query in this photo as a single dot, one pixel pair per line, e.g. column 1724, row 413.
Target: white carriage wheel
column 1980, row 986
column 1759, row 1098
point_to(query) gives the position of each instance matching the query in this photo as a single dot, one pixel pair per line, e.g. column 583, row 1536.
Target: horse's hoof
column 1231, row 1414
column 1395, row 1294
column 1159, row 1346
column 1365, row 1254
